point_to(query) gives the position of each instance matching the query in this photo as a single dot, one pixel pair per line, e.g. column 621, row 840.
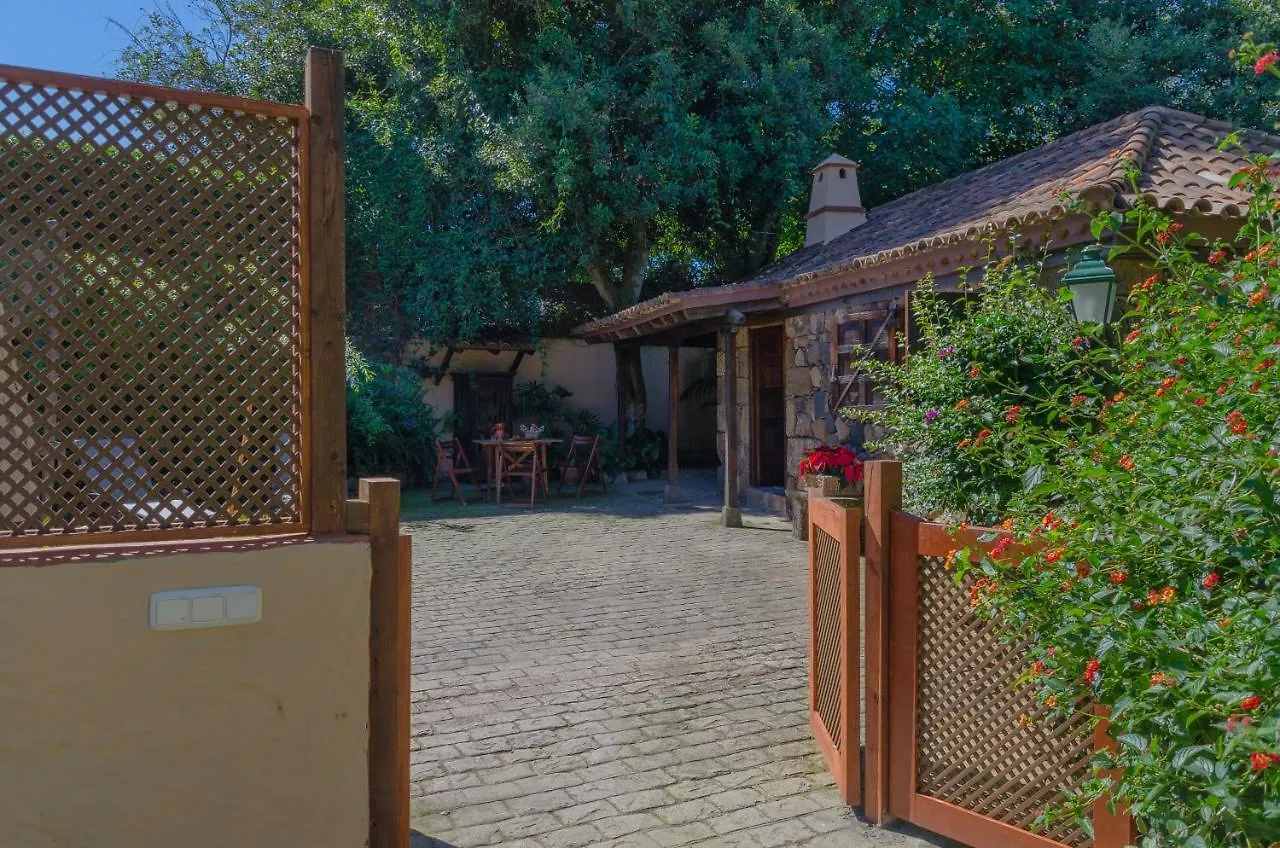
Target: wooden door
column 768, row 408
column 479, row 402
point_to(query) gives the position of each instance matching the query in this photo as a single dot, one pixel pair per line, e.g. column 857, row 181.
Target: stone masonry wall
column 743, row 398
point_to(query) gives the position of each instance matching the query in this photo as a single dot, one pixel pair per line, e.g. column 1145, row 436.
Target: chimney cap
column 835, row 159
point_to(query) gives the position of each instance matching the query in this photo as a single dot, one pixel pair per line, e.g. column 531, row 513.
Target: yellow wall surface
column 113, row 735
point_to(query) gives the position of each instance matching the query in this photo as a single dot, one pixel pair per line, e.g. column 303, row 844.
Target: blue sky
column 67, row 35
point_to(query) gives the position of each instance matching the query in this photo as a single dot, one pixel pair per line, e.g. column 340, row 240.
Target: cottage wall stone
column 811, row 419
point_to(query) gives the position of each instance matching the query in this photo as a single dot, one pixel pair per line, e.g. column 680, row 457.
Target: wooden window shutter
column 857, row 337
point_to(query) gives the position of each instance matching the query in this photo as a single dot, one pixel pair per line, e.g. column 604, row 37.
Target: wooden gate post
column 324, row 294
column 883, row 486
column 1110, row 829
column 389, row 656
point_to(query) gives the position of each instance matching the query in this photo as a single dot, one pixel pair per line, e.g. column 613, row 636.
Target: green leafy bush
column 391, row 429
column 1155, row 585
column 981, row 361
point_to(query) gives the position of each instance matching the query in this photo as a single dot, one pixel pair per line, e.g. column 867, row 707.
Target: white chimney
column 835, row 206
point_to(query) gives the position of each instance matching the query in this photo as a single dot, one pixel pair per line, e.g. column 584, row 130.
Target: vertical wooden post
column 620, row 369
column 900, row 709
column 389, row 651
column 730, row 516
column 1110, row 829
column 325, row 399
column 883, row 496
column 672, row 494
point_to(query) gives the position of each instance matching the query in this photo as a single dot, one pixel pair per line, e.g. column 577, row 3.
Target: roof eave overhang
column 689, row 311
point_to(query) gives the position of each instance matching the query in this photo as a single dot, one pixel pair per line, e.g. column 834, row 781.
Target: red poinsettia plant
column 836, row 460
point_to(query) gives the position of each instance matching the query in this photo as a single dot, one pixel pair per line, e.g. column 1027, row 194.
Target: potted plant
column 834, row 469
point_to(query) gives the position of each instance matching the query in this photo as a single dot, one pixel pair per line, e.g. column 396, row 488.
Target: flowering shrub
column 1155, row 585
column 835, row 460
column 985, row 367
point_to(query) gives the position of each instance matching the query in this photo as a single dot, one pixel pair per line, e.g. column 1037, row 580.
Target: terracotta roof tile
column 1177, row 153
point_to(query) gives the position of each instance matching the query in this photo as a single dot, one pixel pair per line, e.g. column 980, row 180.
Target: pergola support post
column 730, row 516
column 620, row 368
column 672, row 492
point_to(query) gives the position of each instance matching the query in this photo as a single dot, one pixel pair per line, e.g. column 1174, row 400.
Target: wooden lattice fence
column 952, row 743
column 152, row 312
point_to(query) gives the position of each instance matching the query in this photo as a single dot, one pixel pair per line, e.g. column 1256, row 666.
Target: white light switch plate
column 219, row 606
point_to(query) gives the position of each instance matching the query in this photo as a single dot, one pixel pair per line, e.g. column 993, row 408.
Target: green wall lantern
column 1093, row 286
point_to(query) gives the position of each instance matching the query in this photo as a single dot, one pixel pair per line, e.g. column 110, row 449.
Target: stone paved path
column 615, row 673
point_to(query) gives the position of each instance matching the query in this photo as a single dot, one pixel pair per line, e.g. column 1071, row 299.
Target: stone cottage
column 796, row 328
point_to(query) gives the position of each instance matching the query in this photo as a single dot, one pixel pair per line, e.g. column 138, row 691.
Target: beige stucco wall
column 589, row 372
column 117, row 736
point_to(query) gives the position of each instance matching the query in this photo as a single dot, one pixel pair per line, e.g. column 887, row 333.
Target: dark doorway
column 768, row 407
column 479, row 402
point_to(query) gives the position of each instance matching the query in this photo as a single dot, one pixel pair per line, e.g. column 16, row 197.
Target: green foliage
column 1155, row 583
column 979, row 359
column 390, row 427
column 503, row 155
column 646, row 450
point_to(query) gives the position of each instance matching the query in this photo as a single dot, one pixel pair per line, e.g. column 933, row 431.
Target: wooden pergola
column 689, row 319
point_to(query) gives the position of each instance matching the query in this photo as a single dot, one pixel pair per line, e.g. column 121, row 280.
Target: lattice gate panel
column 982, row 743
column 150, row 314
column 828, row 674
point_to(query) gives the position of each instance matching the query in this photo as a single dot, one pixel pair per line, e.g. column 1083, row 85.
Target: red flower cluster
column 1118, row 577
column 1162, row 679
column 1259, row 760
column 1251, row 703
column 1266, row 60
column 1091, row 670
column 1001, row 546
column 1133, row 336
column 1211, row 580
column 1012, row 415
column 1236, row 423
column 837, row 460
column 1126, row 462
column 1217, row 256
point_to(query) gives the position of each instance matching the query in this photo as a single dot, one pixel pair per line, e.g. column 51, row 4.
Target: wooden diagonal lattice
column 982, row 743
column 150, row 320
column 828, row 676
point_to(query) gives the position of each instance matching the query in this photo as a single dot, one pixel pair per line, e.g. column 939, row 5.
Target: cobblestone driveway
column 615, row 673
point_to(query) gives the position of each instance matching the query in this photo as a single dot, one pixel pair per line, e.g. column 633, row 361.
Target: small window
column 842, row 173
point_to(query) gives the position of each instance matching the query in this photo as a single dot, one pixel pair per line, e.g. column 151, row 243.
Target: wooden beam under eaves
column 444, row 366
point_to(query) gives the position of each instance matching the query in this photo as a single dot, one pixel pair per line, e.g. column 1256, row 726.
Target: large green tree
column 508, row 156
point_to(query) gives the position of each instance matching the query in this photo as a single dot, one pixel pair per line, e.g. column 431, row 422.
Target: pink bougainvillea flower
column 1265, row 61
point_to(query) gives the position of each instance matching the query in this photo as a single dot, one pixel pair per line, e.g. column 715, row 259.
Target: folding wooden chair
column 521, row 460
column 451, row 460
column 584, row 455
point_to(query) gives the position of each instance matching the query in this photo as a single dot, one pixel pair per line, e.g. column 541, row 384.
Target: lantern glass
column 1094, row 301
column 1093, row 287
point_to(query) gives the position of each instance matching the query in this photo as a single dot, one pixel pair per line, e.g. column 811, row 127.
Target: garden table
column 491, row 456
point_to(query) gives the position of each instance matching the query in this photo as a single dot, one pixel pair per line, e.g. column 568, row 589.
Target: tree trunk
column 619, row 284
